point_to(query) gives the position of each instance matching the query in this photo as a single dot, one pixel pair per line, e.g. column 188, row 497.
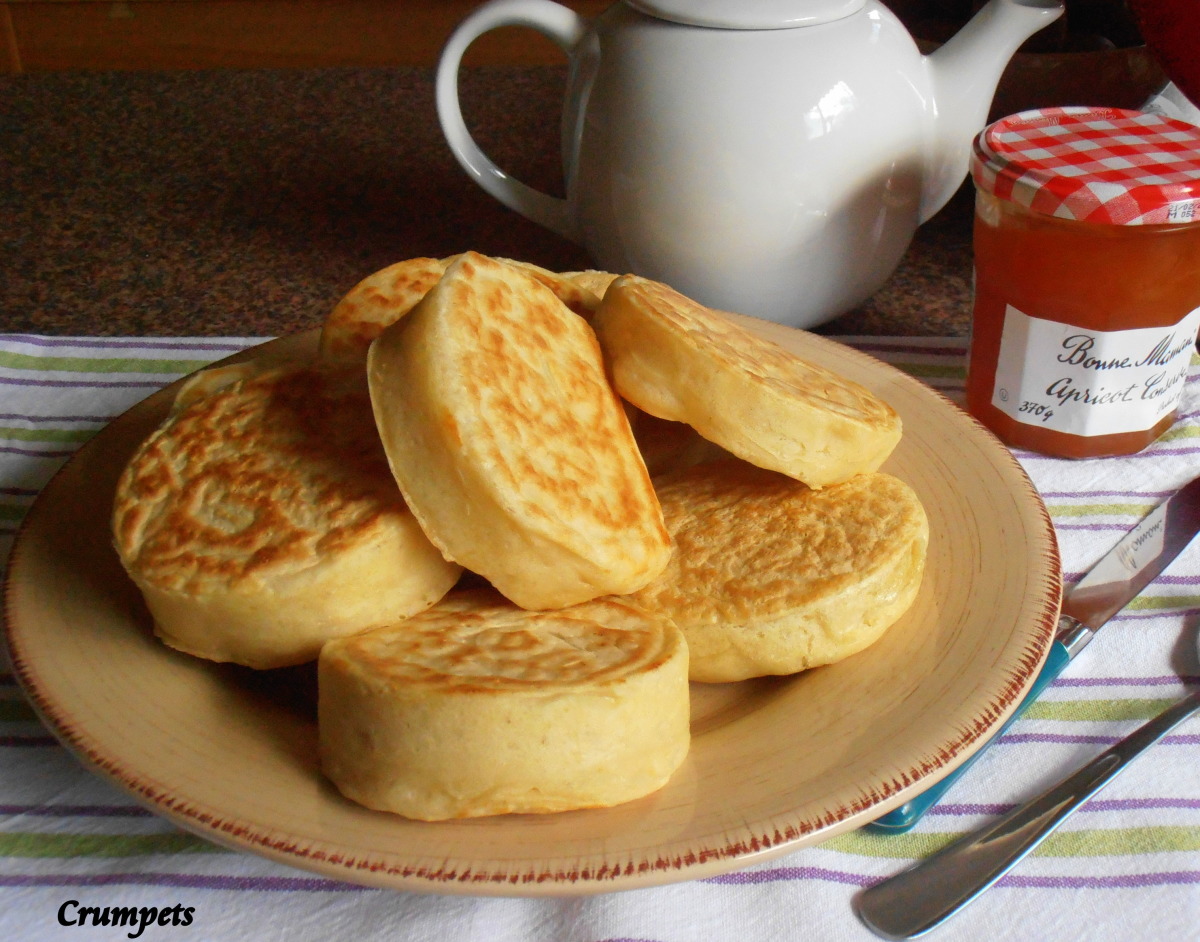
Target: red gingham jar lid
column 1098, row 165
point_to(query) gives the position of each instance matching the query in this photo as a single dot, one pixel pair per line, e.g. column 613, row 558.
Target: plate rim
column 774, row 839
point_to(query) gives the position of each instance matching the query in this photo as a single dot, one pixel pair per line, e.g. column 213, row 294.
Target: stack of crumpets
column 513, row 513
column 260, row 520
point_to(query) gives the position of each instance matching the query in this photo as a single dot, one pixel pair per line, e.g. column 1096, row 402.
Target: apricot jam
column 1087, row 278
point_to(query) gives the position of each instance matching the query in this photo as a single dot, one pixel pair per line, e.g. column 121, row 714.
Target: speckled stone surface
column 248, row 202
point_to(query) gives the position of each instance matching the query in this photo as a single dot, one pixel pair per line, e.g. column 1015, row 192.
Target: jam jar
column 1087, row 278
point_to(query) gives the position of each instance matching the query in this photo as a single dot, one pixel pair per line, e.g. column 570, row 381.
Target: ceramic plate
column 775, row 764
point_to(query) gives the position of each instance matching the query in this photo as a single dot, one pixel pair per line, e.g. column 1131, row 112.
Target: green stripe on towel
column 1106, row 510
column 1154, row 603
column 32, row 844
column 932, row 370
column 70, row 435
column 23, row 361
column 1075, row 711
column 1094, row 842
column 1181, row 431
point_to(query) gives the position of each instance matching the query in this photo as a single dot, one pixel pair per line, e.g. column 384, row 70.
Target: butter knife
column 1108, row 587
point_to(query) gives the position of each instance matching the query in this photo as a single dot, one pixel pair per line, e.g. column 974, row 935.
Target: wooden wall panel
column 197, row 34
column 10, row 57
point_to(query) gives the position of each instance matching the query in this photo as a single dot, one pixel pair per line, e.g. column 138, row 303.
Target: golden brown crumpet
column 771, row 577
column 477, row 707
column 383, row 298
column 681, row 361
column 375, row 302
column 574, row 292
column 261, row 520
column 206, row 382
column 596, row 282
column 510, row 445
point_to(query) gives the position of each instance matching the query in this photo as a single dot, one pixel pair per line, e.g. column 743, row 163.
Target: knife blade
column 1111, row 584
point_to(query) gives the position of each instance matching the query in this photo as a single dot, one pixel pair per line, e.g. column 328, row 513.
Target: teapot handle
column 559, row 24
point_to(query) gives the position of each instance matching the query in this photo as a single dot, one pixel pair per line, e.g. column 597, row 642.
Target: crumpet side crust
column 679, row 360
column 477, row 707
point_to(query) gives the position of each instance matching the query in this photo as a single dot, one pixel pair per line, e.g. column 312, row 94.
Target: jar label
column 1091, row 382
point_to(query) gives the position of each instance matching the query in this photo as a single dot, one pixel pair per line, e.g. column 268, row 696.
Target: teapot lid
column 748, row 14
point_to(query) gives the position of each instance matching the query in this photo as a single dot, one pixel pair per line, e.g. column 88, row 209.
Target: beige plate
column 775, row 764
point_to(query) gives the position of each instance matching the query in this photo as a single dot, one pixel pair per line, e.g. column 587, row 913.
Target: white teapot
column 771, row 157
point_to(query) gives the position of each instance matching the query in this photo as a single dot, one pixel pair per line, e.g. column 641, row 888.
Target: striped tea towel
column 1127, row 867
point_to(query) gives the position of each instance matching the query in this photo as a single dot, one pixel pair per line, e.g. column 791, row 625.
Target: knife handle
column 906, row 815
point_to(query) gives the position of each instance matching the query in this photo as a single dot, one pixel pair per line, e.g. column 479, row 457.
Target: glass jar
column 1087, row 278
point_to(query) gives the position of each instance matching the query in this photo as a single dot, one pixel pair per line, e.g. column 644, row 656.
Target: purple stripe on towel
column 1118, row 882
column 77, row 811
column 1168, row 579
column 183, row 880
column 30, row 453
column 1155, row 495
column 1130, row 804
column 83, row 383
column 775, row 874
column 1187, row 739
column 127, row 343
column 17, row 742
column 16, row 417
column 1163, row 680
column 1095, row 805
column 1013, row 881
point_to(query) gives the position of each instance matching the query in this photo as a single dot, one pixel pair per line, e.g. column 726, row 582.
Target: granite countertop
column 247, row 202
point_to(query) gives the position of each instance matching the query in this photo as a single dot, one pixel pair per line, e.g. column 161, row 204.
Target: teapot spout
column 964, row 75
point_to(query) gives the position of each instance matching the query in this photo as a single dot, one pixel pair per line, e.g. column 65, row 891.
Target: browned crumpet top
column 378, row 300
column 267, row 474
column 509, row 443
column 738, row 348
column 751, row 544
column 385, row 296
column 478, row 641
column 573, row 293
column 545, row 409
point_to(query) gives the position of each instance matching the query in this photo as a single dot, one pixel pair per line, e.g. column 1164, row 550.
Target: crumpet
column 575, row 293
column 206, row 382
column 772, row 577
column 380, row 299
column 510, row 445
column 477, row 707
column 596, row 282
column 261, row 519
column 679, row 360
column 384, row 297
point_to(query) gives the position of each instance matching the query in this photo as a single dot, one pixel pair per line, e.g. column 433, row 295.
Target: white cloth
column 1127, row 867
column 1170, row 102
